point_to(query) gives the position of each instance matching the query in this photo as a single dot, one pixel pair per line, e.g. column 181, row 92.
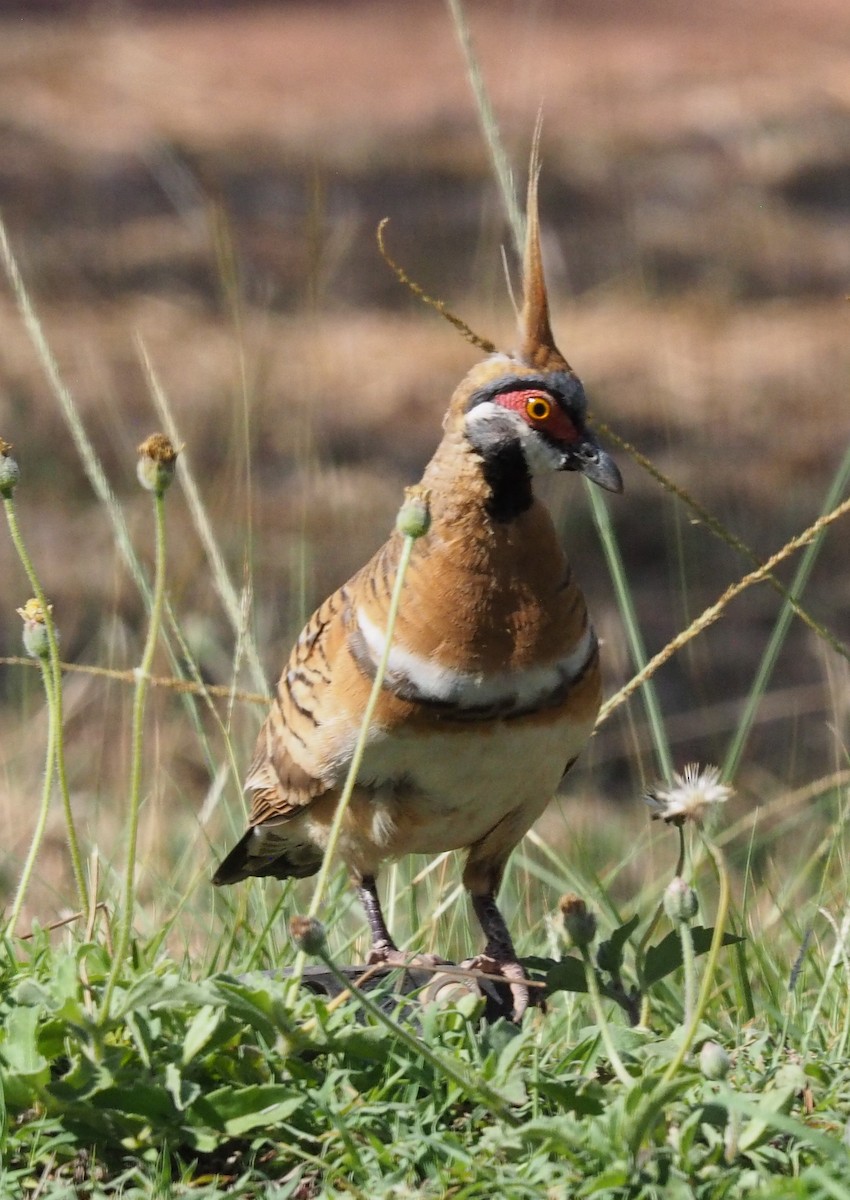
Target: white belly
column 446, row 790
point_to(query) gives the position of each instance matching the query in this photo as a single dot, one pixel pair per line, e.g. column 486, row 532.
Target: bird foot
column 391, row 957
column 509, row 970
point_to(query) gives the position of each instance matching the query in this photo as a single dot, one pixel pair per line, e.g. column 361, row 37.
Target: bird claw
column 509, row 970
column 390, row 957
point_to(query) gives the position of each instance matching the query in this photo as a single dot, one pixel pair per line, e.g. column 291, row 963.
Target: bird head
column 531, row 403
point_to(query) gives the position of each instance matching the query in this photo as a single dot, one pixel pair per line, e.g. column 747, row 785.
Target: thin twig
column 716, row 610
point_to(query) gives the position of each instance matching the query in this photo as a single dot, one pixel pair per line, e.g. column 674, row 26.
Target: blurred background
column 204, row 180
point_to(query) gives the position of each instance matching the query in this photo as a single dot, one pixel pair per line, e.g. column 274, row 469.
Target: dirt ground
column 207, row 182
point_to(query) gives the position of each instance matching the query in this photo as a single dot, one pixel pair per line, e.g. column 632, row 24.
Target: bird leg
column 384, row 949
column 499, row 956
column 382, row 942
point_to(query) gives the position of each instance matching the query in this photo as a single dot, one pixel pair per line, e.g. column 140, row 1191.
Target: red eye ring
column 538, row 408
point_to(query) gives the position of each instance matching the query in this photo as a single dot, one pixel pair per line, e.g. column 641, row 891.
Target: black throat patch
column 508, row 478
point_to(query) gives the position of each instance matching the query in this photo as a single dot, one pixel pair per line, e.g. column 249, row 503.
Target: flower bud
column 714, row 1062
column 414, row 516
column 579, row 922
column 10, row 472
column 155, row 468
column 680, row 901
column 308, row 934
column 36, row 641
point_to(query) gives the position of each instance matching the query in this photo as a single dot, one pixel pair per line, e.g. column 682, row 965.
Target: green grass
column 214, row 1083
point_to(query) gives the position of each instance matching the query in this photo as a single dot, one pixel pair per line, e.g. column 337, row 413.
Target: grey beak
column 595, row 464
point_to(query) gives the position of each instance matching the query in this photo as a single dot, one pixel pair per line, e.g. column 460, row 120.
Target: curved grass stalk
column 44, row 807
column 125, row 926
column 715, row 526
column 221, row 579
column 363, row 736
column 597, row 504
column 52, row 678
column 617, row 570
column 602, row 1021
column 91, row 463
column 715, row 611
column 416, row 497
column 780, row 629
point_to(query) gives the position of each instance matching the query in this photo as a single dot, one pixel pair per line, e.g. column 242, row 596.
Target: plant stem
column 667, row 1087
column 780, row 629
column 359, row 749
column 640, row 953
column 44, row 808
column 489, row 125
column 125, row 927
column 690, row 969
column 53, row 693
column 625, row 601
column 602, row 1021
column 710, row 962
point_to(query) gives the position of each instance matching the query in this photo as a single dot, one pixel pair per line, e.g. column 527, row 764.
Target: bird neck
column 485, row 591
column 493, row 491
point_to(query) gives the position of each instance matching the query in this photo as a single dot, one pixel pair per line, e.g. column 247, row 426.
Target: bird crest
column 538, row 347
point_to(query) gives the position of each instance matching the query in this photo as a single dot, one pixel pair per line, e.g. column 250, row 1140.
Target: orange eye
column 538, row 408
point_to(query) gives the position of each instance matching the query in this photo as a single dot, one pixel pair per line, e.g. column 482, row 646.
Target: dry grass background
column 210, row 180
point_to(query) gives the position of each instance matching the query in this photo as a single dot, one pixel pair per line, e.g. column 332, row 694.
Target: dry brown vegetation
column 210, row 183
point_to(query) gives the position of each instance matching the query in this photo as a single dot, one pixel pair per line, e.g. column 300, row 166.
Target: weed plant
column 692, row 1034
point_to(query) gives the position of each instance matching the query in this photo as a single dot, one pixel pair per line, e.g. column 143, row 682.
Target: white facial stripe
column 540, row 455
column 517, row 689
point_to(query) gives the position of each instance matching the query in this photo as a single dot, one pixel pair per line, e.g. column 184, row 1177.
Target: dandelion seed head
column 690, row 797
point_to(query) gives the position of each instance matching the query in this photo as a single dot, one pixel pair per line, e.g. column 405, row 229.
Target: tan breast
column 479, row 596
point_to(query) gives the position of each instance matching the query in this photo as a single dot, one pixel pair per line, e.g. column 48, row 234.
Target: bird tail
column 243, row 861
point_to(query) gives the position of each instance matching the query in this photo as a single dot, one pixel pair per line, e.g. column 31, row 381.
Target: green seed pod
column 157, row 460
column 680, row 901
column 308, row 934
column 414, row 517
column 36, row 641
column 579, row 922
column 714, row 1062
column 10, row 472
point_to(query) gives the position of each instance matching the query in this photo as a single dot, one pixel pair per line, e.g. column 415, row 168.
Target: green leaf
column 622, row 933
column 362, row 1043
column 666, row 957
column 537, row 967
column 239, row 1110
column 201, row 1028
column 19, row 1047
column 182, row 1091
column 609, row 1180
column 776, row 1099
column 581, row 1098
column 566, row 976
column 142, row 1099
